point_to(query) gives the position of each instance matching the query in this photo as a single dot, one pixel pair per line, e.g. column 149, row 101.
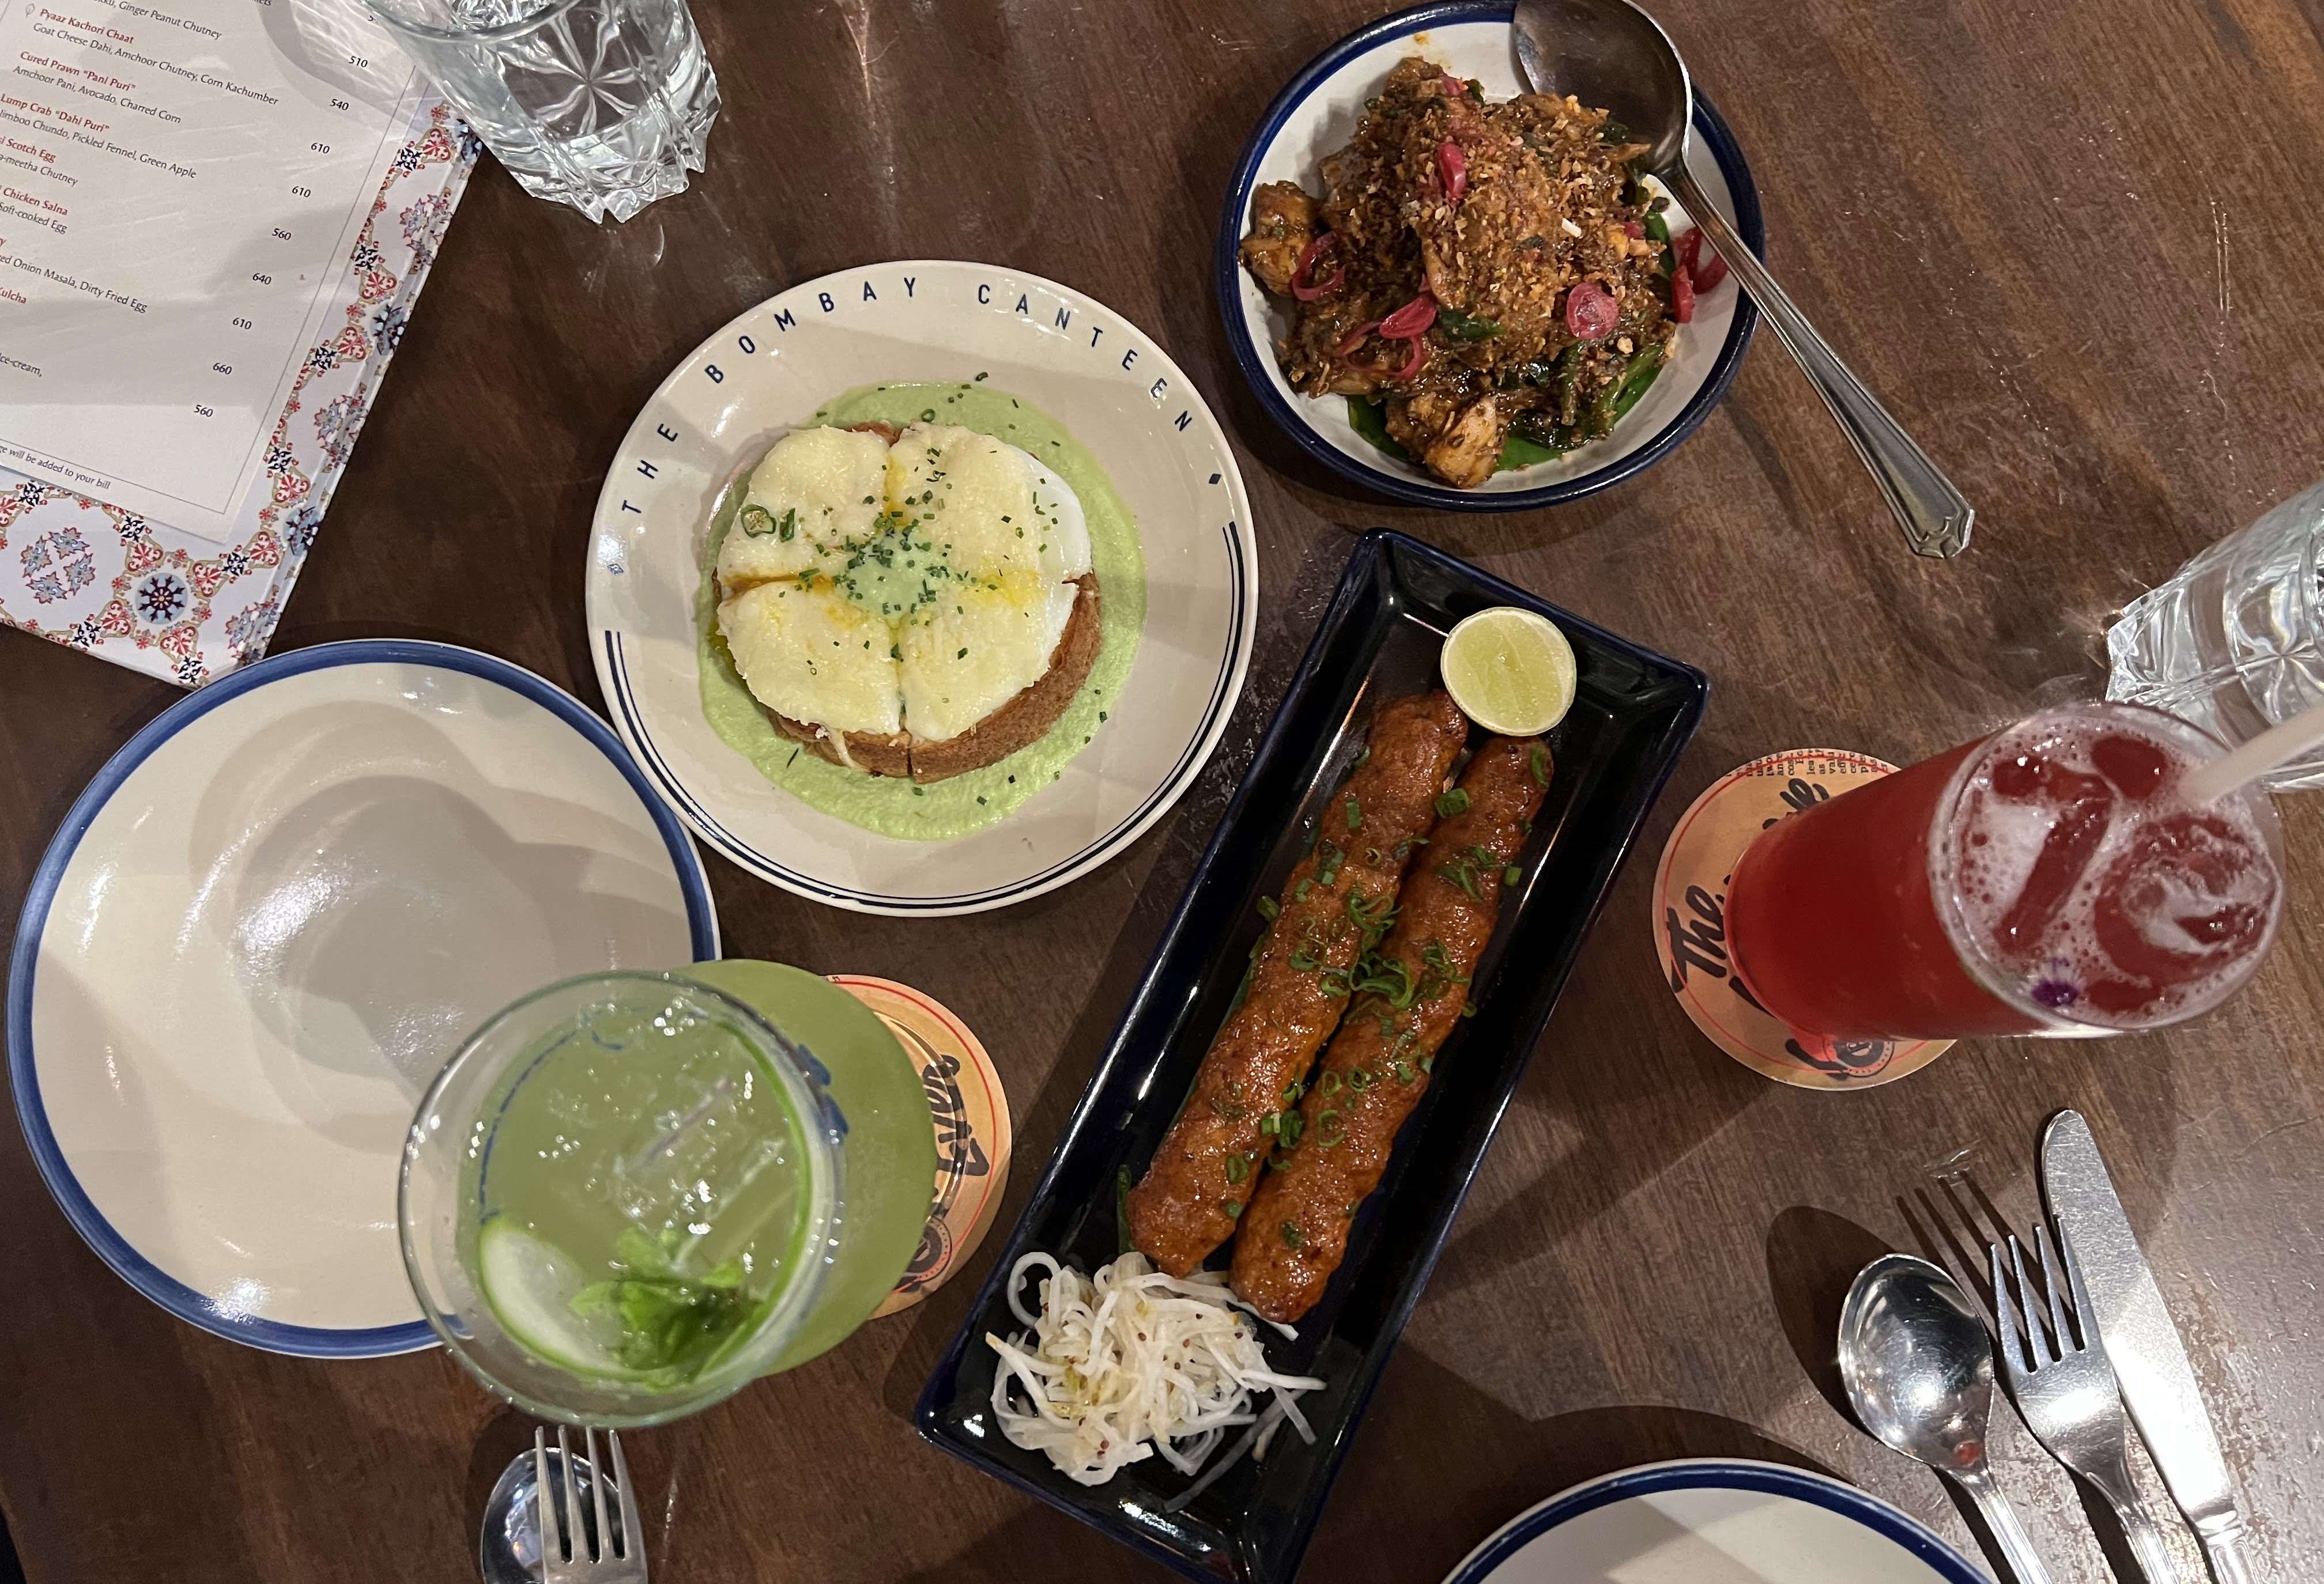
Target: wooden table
column 2075, row 249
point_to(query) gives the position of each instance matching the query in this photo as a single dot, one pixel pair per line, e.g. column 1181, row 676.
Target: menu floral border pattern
column 90, row 575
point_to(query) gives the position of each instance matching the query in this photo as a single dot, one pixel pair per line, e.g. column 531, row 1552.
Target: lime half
column 529, row 1287
column 1511, row 671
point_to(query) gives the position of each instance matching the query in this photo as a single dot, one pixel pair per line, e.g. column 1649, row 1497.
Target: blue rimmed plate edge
column 48, row 1157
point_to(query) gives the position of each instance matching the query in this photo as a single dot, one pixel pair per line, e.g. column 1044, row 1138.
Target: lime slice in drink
column 530, row 1287
column 1511, row 671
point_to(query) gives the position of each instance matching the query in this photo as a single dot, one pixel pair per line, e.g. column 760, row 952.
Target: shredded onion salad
column 1130, row 1362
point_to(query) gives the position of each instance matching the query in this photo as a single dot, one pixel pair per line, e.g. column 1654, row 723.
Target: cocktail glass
column 2046, row 879
column 621, row 1200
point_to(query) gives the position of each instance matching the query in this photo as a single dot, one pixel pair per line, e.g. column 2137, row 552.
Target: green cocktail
column 622, row 1199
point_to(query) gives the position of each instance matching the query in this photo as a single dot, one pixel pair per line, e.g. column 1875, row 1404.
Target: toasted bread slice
column 1025, row 718
column 874, row 752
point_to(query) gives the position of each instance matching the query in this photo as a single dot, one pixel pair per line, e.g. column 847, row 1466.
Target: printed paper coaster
column 973, row 1131
column 1691, row 928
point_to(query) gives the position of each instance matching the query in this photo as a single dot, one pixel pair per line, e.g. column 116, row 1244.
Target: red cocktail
column 2049, row 879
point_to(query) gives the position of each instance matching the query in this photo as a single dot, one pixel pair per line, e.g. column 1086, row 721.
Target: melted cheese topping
column 816, row 657
column 818, row 489
column 961, row 569
column 968, row 658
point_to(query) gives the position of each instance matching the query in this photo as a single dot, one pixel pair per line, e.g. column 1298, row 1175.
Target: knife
column 2150, row 1362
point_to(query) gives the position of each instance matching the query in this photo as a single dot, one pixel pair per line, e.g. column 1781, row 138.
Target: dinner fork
column 611, row 1564
column 2066, row 1393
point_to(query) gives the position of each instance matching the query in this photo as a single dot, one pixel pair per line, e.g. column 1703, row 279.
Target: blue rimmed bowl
column 1316, row 114
column 1679, row 1523
column 266, row 923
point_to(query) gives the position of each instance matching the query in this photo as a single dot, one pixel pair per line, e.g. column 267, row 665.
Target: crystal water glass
column 604, row 104
column 2234, row 640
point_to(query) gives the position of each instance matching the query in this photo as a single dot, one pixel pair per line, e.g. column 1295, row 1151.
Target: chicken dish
column 1487, row 284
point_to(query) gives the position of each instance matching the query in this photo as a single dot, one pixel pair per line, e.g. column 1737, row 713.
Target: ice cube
column 2080, row 807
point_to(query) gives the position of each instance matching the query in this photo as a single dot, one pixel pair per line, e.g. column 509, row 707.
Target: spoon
column 1919, row 1368
column 507, row 1551
column 1609, row 53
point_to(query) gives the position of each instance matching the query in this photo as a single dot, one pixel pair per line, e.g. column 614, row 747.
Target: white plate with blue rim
column 987, row 329
column 1714, row 1521
column 1315, row 114
column 267, row 923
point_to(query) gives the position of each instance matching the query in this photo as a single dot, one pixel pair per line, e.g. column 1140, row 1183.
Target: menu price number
column 320, row 148
column 205, row 411
column 303, row 192
column 262, row 277
column 242, row 324
column 222, row 368
column 280, row 235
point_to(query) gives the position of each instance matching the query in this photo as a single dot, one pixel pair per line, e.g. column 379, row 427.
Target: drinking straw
column 2272, row 748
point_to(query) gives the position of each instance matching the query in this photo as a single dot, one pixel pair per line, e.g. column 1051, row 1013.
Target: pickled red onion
column 1591, row 313
column 1452, row 170
column 1303, row 286
column 1411, row 319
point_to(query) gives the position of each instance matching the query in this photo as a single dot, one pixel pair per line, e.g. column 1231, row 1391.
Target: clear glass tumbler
column 604, row 104
column 2234, row 640
column 621, row 1201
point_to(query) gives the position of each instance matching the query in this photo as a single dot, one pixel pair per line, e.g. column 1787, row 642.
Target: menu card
column 214, row 216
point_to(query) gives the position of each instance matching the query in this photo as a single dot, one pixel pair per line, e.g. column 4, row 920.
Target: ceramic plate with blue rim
column 1316, row 116
column 269, row 921
column 1115, row 393
column 1714, row 1521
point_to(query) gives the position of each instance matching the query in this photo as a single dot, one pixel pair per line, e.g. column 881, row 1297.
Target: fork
column 2066, row 1393
column 624, row 1565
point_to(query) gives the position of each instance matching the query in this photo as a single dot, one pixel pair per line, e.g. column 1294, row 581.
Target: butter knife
column 2150, row 1362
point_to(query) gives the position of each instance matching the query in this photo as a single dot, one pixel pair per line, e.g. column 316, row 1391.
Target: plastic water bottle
column 2234, row 640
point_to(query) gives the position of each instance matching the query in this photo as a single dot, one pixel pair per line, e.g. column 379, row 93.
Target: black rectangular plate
column 1632, row 714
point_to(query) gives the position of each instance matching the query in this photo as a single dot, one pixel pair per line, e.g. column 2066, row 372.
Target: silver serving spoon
column 1919, row 1368
column 1609, row 54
